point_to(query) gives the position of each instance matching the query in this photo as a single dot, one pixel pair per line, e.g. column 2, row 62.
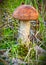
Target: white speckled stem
column 24, row 31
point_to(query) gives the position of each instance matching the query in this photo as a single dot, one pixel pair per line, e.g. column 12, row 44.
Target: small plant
column 9, row 33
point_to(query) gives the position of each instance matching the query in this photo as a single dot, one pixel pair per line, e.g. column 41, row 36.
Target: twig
column 2, row 51
column 3, row 61
column 28, row 53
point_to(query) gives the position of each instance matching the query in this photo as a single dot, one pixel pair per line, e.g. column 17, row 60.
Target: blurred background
column 9, row 29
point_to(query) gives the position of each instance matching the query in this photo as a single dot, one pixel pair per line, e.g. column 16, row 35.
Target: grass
column 9, row 31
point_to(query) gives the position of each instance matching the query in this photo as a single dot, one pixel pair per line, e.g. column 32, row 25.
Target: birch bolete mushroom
column 25, row 13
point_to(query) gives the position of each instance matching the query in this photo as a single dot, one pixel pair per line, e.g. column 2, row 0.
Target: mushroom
column 25, row 14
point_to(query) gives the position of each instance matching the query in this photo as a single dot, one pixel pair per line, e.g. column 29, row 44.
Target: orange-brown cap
column 25, row 12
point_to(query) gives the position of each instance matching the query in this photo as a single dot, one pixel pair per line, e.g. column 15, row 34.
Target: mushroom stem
column 24, row 31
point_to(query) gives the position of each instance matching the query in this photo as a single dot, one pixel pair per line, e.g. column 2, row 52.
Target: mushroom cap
column 25, row 12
